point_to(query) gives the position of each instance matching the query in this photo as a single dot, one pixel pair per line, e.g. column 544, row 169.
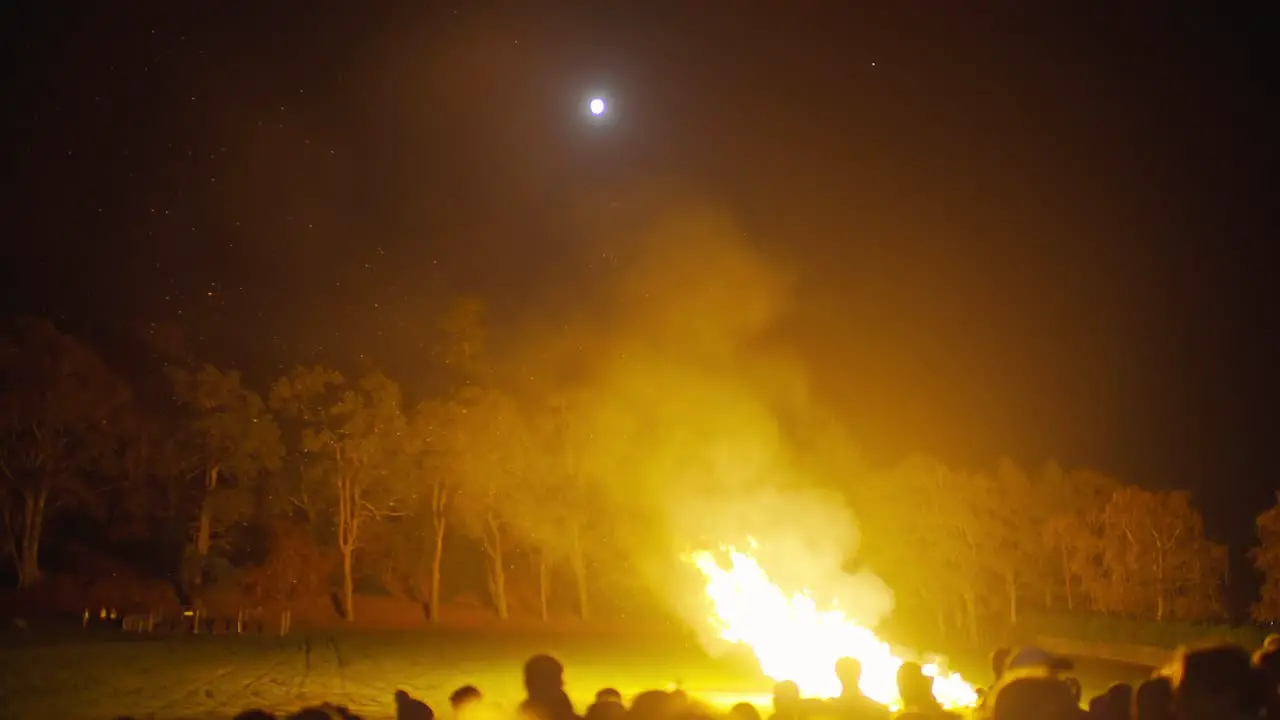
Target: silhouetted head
column 608, row 695
column 744, row 711
column 255, row 714
column 1215, row 682
column 606, row 707
column 652, row 705
column 1120, row 697
column 1033, row 698
column 543, row 675
column 411, row 708
column 914, row 687
column 849, row 672
column 463, row 697
column 999, row 660
column 1153, row 700
column 786, row 698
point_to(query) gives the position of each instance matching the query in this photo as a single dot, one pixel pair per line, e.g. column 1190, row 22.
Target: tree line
column 323, row 478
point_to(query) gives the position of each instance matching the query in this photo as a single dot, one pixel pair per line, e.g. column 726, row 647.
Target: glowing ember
column 794, row 640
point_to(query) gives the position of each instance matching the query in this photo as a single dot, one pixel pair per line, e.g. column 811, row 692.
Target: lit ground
column 194, row 678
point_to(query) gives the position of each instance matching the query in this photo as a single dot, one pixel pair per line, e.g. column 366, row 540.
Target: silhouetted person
column 786, row 701
column 852, row 703
column 1033, row 698
column 255, row 714
column 545, row 698
column 916, row 690
column 607, row 706
column 652, row 705
column 1153, row 700
column 464, row 696
column 1120, row 699
column 744, row 711
column 608, row 695
column 999, row 660
column 1216, row 683
column 411, row 708
column 1267, row 664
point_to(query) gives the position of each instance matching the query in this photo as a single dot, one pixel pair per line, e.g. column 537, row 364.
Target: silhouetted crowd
column 1220, row 682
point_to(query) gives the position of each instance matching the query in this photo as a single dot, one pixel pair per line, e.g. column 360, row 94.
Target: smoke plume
column 701, row 420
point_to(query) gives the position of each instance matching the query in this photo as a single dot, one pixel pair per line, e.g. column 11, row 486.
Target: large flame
column 794, row 640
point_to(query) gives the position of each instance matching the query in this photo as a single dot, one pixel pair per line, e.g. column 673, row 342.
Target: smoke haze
column 703, row 426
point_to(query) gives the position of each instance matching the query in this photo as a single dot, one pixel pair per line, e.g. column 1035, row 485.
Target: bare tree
column 354, row 438
column 58, row 404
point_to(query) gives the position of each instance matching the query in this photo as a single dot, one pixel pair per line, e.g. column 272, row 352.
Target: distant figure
column 411, row 708
column 464, row 696
column 786, row 701
column 852, row 703
column 607, row 706
column 1153, row 700
column 744, row 711
column 544, row 689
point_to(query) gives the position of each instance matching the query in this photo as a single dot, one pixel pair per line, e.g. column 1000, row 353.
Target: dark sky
column 1023, row 231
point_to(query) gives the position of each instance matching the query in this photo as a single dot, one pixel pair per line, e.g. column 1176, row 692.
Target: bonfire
column 793, row 639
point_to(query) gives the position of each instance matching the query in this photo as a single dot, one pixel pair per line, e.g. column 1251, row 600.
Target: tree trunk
column 1159, row 584
column 204, row 528
column 580, row 574
column 1066, row 578
column 544, row 580
column 433, row 608
column 348, row 586
column 971, row 617
column 32, row 527
column 347, row 528
column 1011, row 589
column 497, row 573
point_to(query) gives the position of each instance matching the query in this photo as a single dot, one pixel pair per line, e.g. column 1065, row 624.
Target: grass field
column 197, row 677
column 205, row 677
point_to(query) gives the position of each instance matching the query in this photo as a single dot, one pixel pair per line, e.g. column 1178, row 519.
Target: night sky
column 1021, row 232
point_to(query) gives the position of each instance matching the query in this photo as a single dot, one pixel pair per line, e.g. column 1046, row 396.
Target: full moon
column 596, row 106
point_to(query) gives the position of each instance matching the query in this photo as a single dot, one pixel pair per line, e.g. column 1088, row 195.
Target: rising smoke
column 702, row 417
